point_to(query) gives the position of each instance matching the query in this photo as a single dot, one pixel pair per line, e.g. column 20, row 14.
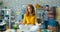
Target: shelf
column 40, row 8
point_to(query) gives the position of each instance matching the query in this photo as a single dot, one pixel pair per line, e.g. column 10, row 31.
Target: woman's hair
column 33, row 10
column 53, row 9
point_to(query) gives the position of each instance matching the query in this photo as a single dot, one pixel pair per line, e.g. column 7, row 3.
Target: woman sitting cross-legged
column 30, row 18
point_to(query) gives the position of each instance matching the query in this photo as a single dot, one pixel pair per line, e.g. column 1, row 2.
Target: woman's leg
column 52, row 28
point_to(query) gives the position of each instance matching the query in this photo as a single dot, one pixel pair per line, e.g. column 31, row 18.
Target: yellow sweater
column 30, row 19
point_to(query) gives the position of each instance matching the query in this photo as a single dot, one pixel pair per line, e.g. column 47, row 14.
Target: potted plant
column 15, row 28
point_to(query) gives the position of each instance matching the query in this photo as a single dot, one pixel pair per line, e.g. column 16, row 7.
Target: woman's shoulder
column 25, row 14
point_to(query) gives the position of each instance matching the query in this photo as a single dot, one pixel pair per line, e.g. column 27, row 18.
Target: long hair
column 33, row 10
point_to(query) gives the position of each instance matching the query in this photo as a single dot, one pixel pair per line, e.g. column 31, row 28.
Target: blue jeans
column 52, row 22
column 46, row 24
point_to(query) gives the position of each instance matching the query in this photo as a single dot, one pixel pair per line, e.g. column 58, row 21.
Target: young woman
column 52, row 21
column 30, row 16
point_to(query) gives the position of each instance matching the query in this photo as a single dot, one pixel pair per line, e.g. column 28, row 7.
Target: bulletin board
column 39, row 12
column 58, row 14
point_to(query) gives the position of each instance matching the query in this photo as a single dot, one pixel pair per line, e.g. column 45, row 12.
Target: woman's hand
column 21, row 23
column 40, row 24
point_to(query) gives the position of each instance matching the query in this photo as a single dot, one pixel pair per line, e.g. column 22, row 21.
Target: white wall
column 15, row 4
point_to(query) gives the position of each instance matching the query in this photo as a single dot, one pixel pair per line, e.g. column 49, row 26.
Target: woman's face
column 29, row 9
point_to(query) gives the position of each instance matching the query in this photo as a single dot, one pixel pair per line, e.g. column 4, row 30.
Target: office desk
column 28, row 28
column 12, row 30
column 18, row 30
column 34, row 28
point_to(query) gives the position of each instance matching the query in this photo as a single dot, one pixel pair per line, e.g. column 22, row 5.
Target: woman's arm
column 36, row 20
column 24, row 20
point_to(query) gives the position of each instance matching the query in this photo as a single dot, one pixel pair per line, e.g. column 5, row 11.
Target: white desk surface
column 2, row 24
column 12, row 30
column 18, row 30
